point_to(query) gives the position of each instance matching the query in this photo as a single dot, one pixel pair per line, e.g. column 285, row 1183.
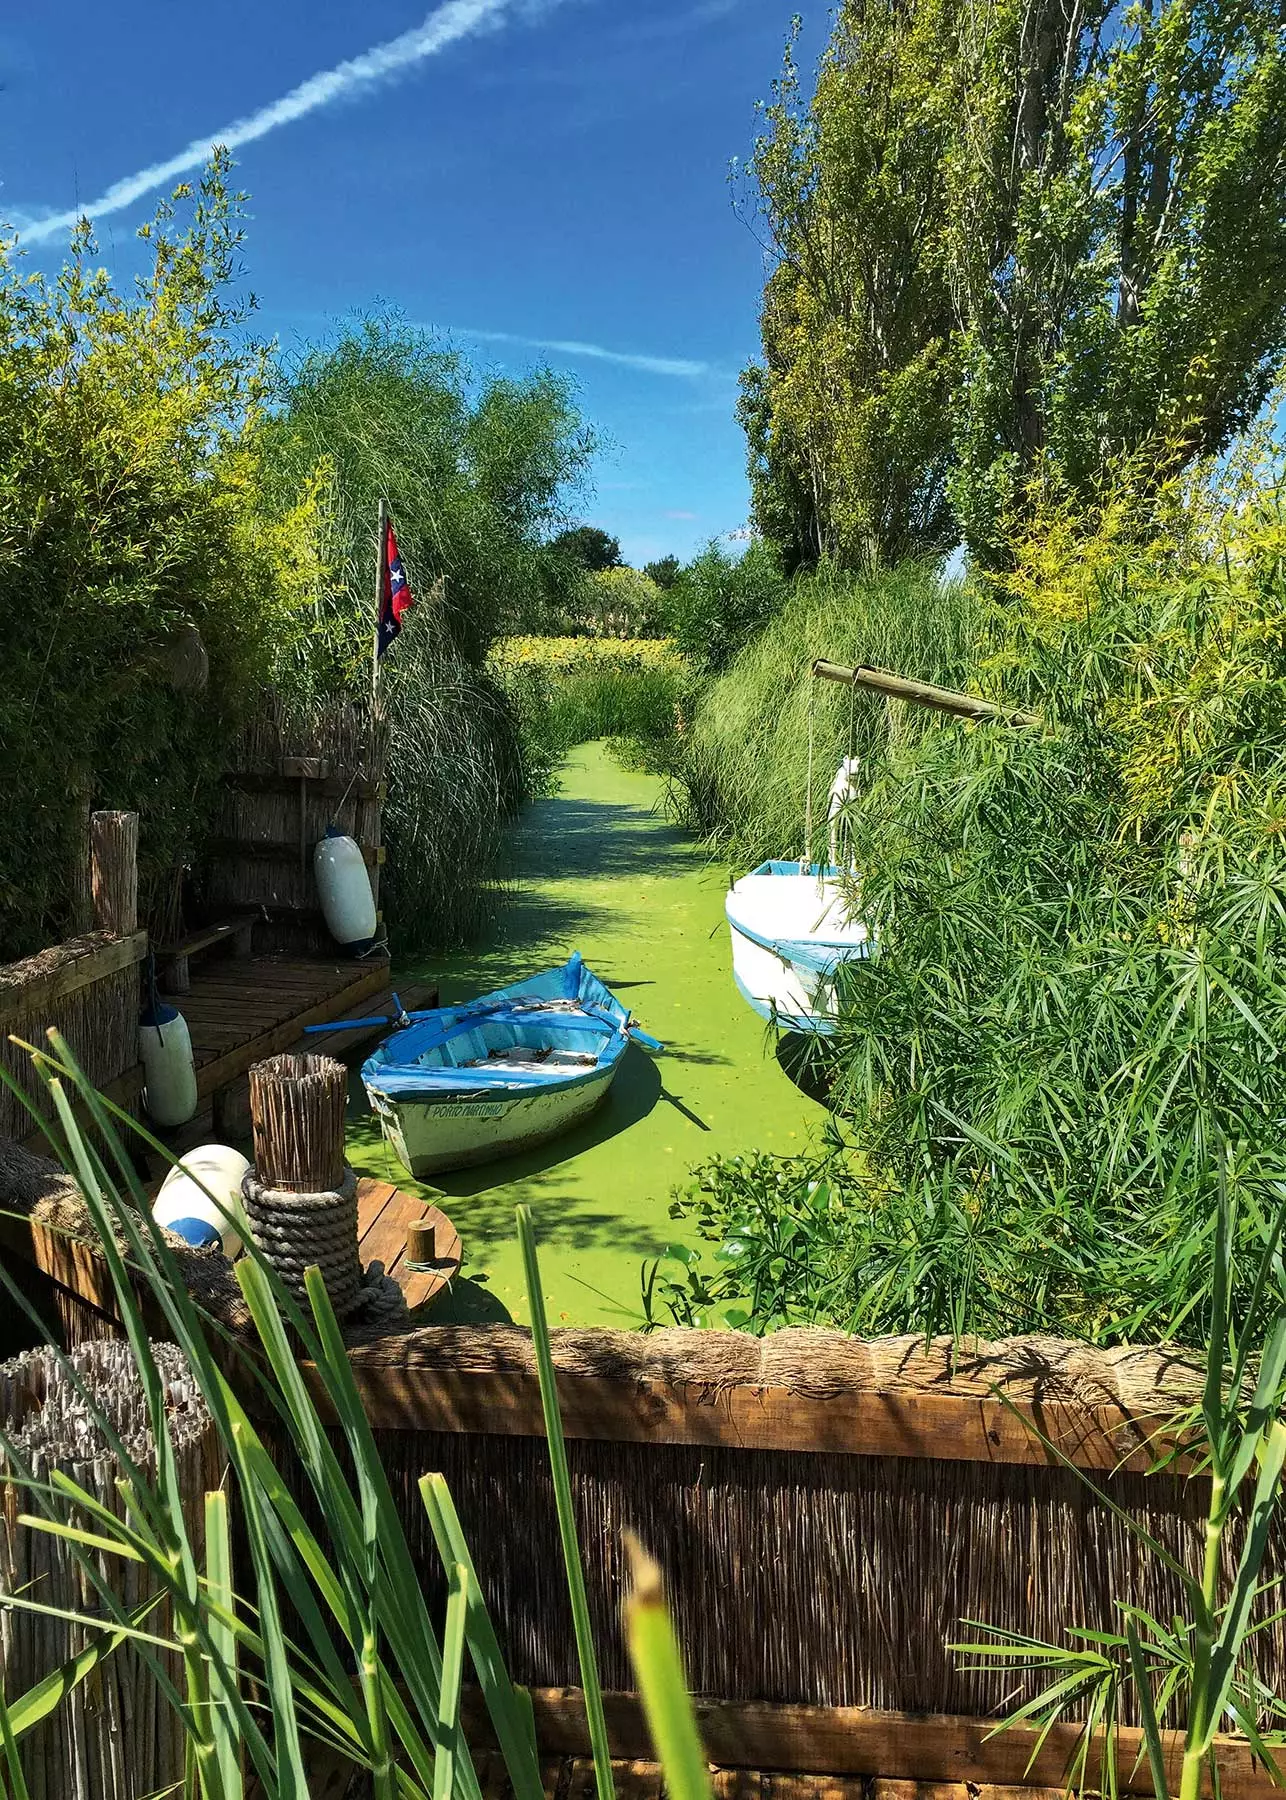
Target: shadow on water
column 802, row 1060
column 631, row 1097
column 599, row 841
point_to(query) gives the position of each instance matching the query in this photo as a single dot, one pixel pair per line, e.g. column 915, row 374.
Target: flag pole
column 381, row 552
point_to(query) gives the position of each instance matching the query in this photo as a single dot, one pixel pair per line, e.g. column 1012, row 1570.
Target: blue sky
column 553, row 171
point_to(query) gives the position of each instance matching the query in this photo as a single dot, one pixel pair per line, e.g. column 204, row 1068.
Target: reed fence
column 117, row 1735
column 87, row 986
column 292, row 773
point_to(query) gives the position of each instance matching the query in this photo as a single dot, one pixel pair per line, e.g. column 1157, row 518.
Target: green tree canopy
column 588, row 548
column 1014, row 239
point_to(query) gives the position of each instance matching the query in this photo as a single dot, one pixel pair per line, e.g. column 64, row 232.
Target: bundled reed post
column 116, row 1735
column 113, row 840
column 301, row 1197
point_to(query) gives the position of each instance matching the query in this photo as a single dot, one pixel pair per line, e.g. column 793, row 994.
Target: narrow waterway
column 599, row 870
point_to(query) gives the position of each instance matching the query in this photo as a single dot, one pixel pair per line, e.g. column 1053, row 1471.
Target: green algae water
column 597, row 869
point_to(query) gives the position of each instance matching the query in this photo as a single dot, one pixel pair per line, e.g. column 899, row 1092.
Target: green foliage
column 746, row 757
column 849, row 420
column 1012, row 239
column 129, row 513
column 474, row 475
column 719, row 602
column 588, row 548
column 664, row 571
column 569, row 691
column 1080, row 928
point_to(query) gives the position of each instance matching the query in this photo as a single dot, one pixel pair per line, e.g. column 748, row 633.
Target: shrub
column 719, row 602
column 570, row 690
column 130, row 511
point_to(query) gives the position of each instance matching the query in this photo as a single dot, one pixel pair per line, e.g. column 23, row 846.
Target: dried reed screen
column 832, row 1580
column 297, row 1106
column 117, row 1735
column 99, row 1022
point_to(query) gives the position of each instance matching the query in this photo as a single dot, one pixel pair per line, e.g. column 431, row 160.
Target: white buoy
column 345, row 888
column 200, row 1198
column 165, row 1050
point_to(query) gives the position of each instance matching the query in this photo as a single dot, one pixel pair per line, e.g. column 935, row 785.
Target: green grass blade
column 566, row 1515
column 1147, row 1714
column 512, row 1722
column 13, row 1783
column 453, row 1634
column 218, row 1580
column 658, row 1669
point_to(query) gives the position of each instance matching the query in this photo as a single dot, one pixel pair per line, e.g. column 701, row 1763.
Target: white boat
column 465, row 1084
column 791, row 930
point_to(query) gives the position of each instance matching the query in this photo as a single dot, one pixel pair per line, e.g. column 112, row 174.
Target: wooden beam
column 211, row 1076
column 858, row 1740
column 113, row 845
column 28, row 987
column 920, row 693
column 329, row 787
column 269, row 850
column 403, row 1389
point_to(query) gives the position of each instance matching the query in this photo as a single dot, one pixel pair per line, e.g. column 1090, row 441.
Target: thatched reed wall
column 831, row 1513
column 116, row 1735
column 98, row 1015
column 290, row 775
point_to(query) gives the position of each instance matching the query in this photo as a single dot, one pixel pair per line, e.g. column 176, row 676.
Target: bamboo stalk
column 920, row 693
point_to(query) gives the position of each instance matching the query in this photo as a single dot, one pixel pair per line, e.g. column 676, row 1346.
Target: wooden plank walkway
column 384, row 1212
column 240, row 1011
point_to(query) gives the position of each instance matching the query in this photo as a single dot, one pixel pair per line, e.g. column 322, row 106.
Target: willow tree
column 1015, row 237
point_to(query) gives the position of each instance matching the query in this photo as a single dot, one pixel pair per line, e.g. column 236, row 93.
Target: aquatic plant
column 745, row 760
column 338, row 1649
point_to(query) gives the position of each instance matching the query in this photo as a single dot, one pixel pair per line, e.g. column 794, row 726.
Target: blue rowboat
column 791, row 930
column 463, row 1084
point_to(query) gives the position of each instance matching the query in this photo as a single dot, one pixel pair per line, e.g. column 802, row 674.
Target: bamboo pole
column 381, row 548
column 113, row 840
column 921, row 693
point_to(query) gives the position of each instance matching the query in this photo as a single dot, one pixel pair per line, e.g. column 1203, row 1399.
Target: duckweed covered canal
column 600, row 871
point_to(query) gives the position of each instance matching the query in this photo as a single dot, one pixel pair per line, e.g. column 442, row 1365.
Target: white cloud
column 444, row 26
column 678, row 366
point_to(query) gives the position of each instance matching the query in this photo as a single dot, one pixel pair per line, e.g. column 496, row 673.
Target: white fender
column 198, row 1195
column 345, row 888
column 844, row 790
column 169, row 1070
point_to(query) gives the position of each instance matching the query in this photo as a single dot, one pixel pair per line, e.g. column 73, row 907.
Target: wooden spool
column 297, row 1107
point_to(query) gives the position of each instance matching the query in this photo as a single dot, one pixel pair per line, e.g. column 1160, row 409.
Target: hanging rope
column 806, row 860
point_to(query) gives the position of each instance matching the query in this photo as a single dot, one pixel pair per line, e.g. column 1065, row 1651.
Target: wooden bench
column 173, row 961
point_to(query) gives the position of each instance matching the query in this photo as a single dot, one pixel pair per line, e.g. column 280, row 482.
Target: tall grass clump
column 745, row 760
column 1081, row 972
column 566, row 691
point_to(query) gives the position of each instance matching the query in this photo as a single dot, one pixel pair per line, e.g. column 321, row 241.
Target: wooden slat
column 932, row 1748
column 404, row 1388
column 27, row 987
column 279, row 850
column 281, row 1036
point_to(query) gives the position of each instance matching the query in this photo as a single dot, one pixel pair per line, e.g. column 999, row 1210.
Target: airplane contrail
column 444, row 26
column 631, row 359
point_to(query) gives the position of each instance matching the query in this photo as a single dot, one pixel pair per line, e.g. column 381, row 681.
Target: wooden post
column 82, row 906
column 113, row 838
column 381, row 546
column 921, row 693
column 297, row 1106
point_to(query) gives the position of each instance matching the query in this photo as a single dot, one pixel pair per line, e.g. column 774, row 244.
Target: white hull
column 768, row 914
column 432, row 1135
